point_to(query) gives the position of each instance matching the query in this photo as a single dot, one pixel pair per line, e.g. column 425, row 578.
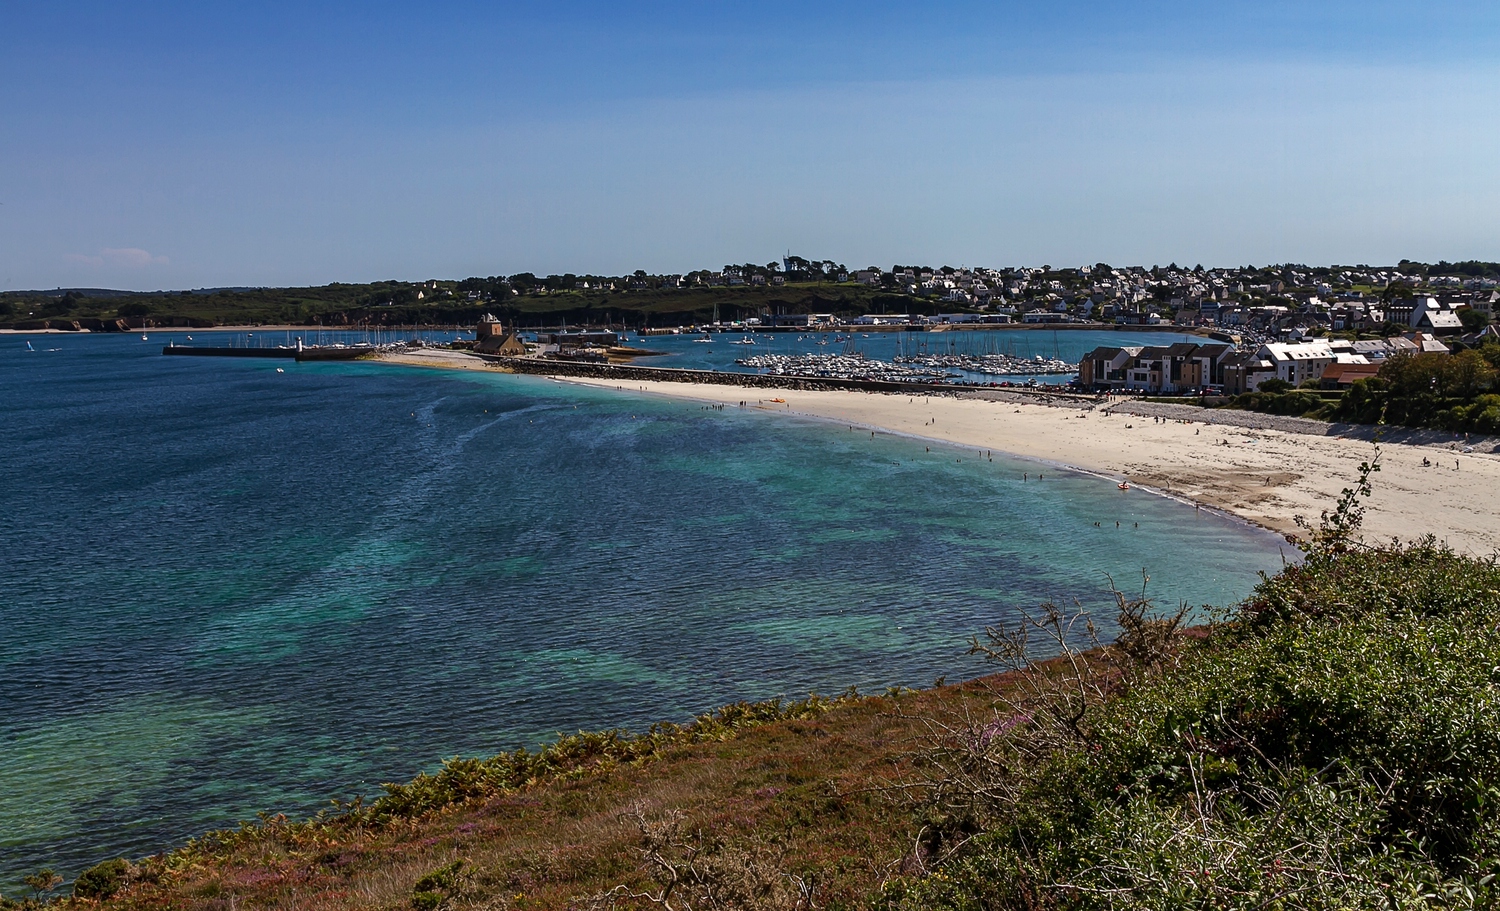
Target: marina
column 841, row 366
column 994, row 364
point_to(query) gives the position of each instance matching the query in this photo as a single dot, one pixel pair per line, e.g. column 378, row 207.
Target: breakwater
column 348, row 353
column 626, row 373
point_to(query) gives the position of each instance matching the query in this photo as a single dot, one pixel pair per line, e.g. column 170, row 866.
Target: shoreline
column 1265, row 477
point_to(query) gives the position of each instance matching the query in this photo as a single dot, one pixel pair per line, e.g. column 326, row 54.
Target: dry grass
column 801, row 804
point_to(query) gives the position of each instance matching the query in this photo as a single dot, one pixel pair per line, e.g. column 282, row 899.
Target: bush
column 1288, row 404
column 102, row 880
column 436, row 888
column 1335, row 743
column 1364, row 403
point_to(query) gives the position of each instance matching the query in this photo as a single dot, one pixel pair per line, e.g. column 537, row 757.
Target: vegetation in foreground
column 1332, row 742
column 761, row 788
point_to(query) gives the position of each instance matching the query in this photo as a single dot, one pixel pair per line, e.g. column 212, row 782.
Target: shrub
column 102, row 880
column 433, row 890
column 1335, row 743
column 1288, row 404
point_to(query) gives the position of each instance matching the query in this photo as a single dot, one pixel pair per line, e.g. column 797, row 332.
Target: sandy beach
column 1268, row 477
column 1264, row 476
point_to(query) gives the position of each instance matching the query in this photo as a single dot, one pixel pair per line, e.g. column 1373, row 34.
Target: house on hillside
column 1422, row 343
column 1440, row 317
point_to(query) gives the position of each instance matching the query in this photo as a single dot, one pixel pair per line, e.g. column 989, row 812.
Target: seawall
column 630, row 373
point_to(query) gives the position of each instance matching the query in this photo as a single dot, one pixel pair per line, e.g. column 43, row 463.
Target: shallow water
column 230, row 590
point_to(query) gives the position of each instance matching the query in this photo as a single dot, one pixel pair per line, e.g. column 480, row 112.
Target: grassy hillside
column 1332, row 742
column 445, row 303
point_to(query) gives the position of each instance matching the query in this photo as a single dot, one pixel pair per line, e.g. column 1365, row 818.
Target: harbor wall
column 628, row 373
column 188, row 350
column 305, row 354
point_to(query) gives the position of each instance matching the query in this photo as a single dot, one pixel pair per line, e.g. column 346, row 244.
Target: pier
column 299, row 353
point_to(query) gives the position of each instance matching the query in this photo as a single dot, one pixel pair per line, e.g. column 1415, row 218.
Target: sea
column 244, row 586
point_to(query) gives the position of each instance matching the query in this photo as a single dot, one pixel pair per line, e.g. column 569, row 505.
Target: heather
column 1333, row 742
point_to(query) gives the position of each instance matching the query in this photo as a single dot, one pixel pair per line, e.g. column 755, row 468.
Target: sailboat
column 28, row 347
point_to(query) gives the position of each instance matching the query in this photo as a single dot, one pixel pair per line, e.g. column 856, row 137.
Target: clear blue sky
column 175, row 145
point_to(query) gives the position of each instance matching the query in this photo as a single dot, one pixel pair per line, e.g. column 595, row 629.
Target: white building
column 1296, row 363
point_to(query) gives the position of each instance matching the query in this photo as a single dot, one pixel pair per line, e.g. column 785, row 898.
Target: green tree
column 42, row 881
column 1472, row 319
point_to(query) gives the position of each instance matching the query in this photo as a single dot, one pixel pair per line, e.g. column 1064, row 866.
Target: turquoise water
column 230, row 590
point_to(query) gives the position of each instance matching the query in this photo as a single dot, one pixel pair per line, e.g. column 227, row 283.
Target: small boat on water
column 28, row 347
column 1123, row 485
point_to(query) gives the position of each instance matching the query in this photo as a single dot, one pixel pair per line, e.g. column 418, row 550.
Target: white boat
column 744, row 341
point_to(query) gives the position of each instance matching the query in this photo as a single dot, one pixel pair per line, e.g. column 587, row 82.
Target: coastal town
column 1300, row 331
